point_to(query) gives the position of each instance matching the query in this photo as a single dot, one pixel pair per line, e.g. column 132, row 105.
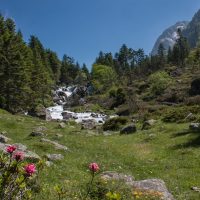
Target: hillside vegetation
column 168, row 151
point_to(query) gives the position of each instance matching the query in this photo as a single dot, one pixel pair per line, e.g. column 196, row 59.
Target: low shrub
column 115, row 123
column 118, row 97
column 181, row 114
column 193, row 100
column 159, row 82
column 18, row 178
column 123, row 111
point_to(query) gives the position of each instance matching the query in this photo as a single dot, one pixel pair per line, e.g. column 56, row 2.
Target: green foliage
column 118, row 96
column 103, row 77
column 17, row 177
column 180, row 114
column 15, row 66
column 180, row 50
column 114, row 123
column 159, row 82
column 41, row 74
column 110, row 190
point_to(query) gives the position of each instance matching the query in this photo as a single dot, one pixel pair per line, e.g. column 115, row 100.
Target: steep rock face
column 192, row 32
column 169, row 37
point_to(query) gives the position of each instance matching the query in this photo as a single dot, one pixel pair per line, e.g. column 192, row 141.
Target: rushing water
column 56, row 111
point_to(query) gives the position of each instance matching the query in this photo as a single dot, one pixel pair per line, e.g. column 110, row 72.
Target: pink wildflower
column 30, row 169
column 18, row 156
column 11, row 148
column 94, row 167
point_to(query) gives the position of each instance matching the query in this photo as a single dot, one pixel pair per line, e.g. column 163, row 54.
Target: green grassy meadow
column 167, row 151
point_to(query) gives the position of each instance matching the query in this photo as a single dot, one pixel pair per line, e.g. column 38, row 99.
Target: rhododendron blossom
column 30, row 169
column 94, row 167
column 18, row 156
column 11, row 148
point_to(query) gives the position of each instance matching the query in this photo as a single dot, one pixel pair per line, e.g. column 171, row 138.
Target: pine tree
column 55, row 64
column 41, row 77
column 15, row 90
column 180, row 50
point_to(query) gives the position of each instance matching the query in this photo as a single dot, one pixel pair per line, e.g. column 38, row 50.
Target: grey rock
column 189, row 116
column 3, row 132
column 48, row 115
column 4, row 139
column 56, row 145
column 196, row 189
column 54, row 157
column 88, row 124
column 40, row 112
column 62, row 125
column 40, row 129
column 149, row 185
column 94, row 115
column 59, row 135
column 131, row 128
column 67, row 115
column 109, row 175
column 148, row 124
column 31, row 155
column 3, row 147
column 107, row 133
column 20, row 147
column 155, row 185
column 48, row 163
column 194, row 126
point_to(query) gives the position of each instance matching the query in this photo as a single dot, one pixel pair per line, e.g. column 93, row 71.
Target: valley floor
column 167, row 151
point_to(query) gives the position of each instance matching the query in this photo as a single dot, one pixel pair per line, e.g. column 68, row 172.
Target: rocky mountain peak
column 169, row 36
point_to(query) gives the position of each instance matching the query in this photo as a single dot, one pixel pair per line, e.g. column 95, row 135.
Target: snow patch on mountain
column 168, row 37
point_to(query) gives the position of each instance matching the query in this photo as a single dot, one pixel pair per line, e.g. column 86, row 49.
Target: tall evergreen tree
column 55, row 64
column 41, row 77
column 15, row 69
column 180, row 50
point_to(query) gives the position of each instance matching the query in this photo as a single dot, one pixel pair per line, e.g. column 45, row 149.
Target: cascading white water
column 56, row 111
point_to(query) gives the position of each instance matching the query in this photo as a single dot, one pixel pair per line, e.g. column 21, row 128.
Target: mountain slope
column 192, row 32
column 169, row 36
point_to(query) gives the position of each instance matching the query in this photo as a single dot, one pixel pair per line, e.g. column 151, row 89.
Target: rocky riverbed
column 64, row 96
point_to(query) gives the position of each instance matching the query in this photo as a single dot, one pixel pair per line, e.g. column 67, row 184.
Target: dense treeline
column 129, row 64
column 28, row 72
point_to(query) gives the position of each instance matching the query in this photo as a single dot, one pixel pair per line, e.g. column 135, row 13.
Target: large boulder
column 131, row 128
column 149, row 186
column 152, row 186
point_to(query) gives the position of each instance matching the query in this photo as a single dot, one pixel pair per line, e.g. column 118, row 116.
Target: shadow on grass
column 193, row 142
column 182, row 133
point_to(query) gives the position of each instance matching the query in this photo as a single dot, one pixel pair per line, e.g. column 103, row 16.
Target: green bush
column 180, row 114
column 159, row 82
column 118, row 96
column 115, row 123
column 103, row 77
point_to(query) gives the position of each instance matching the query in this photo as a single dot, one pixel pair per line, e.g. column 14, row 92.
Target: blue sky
column 81, row 28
